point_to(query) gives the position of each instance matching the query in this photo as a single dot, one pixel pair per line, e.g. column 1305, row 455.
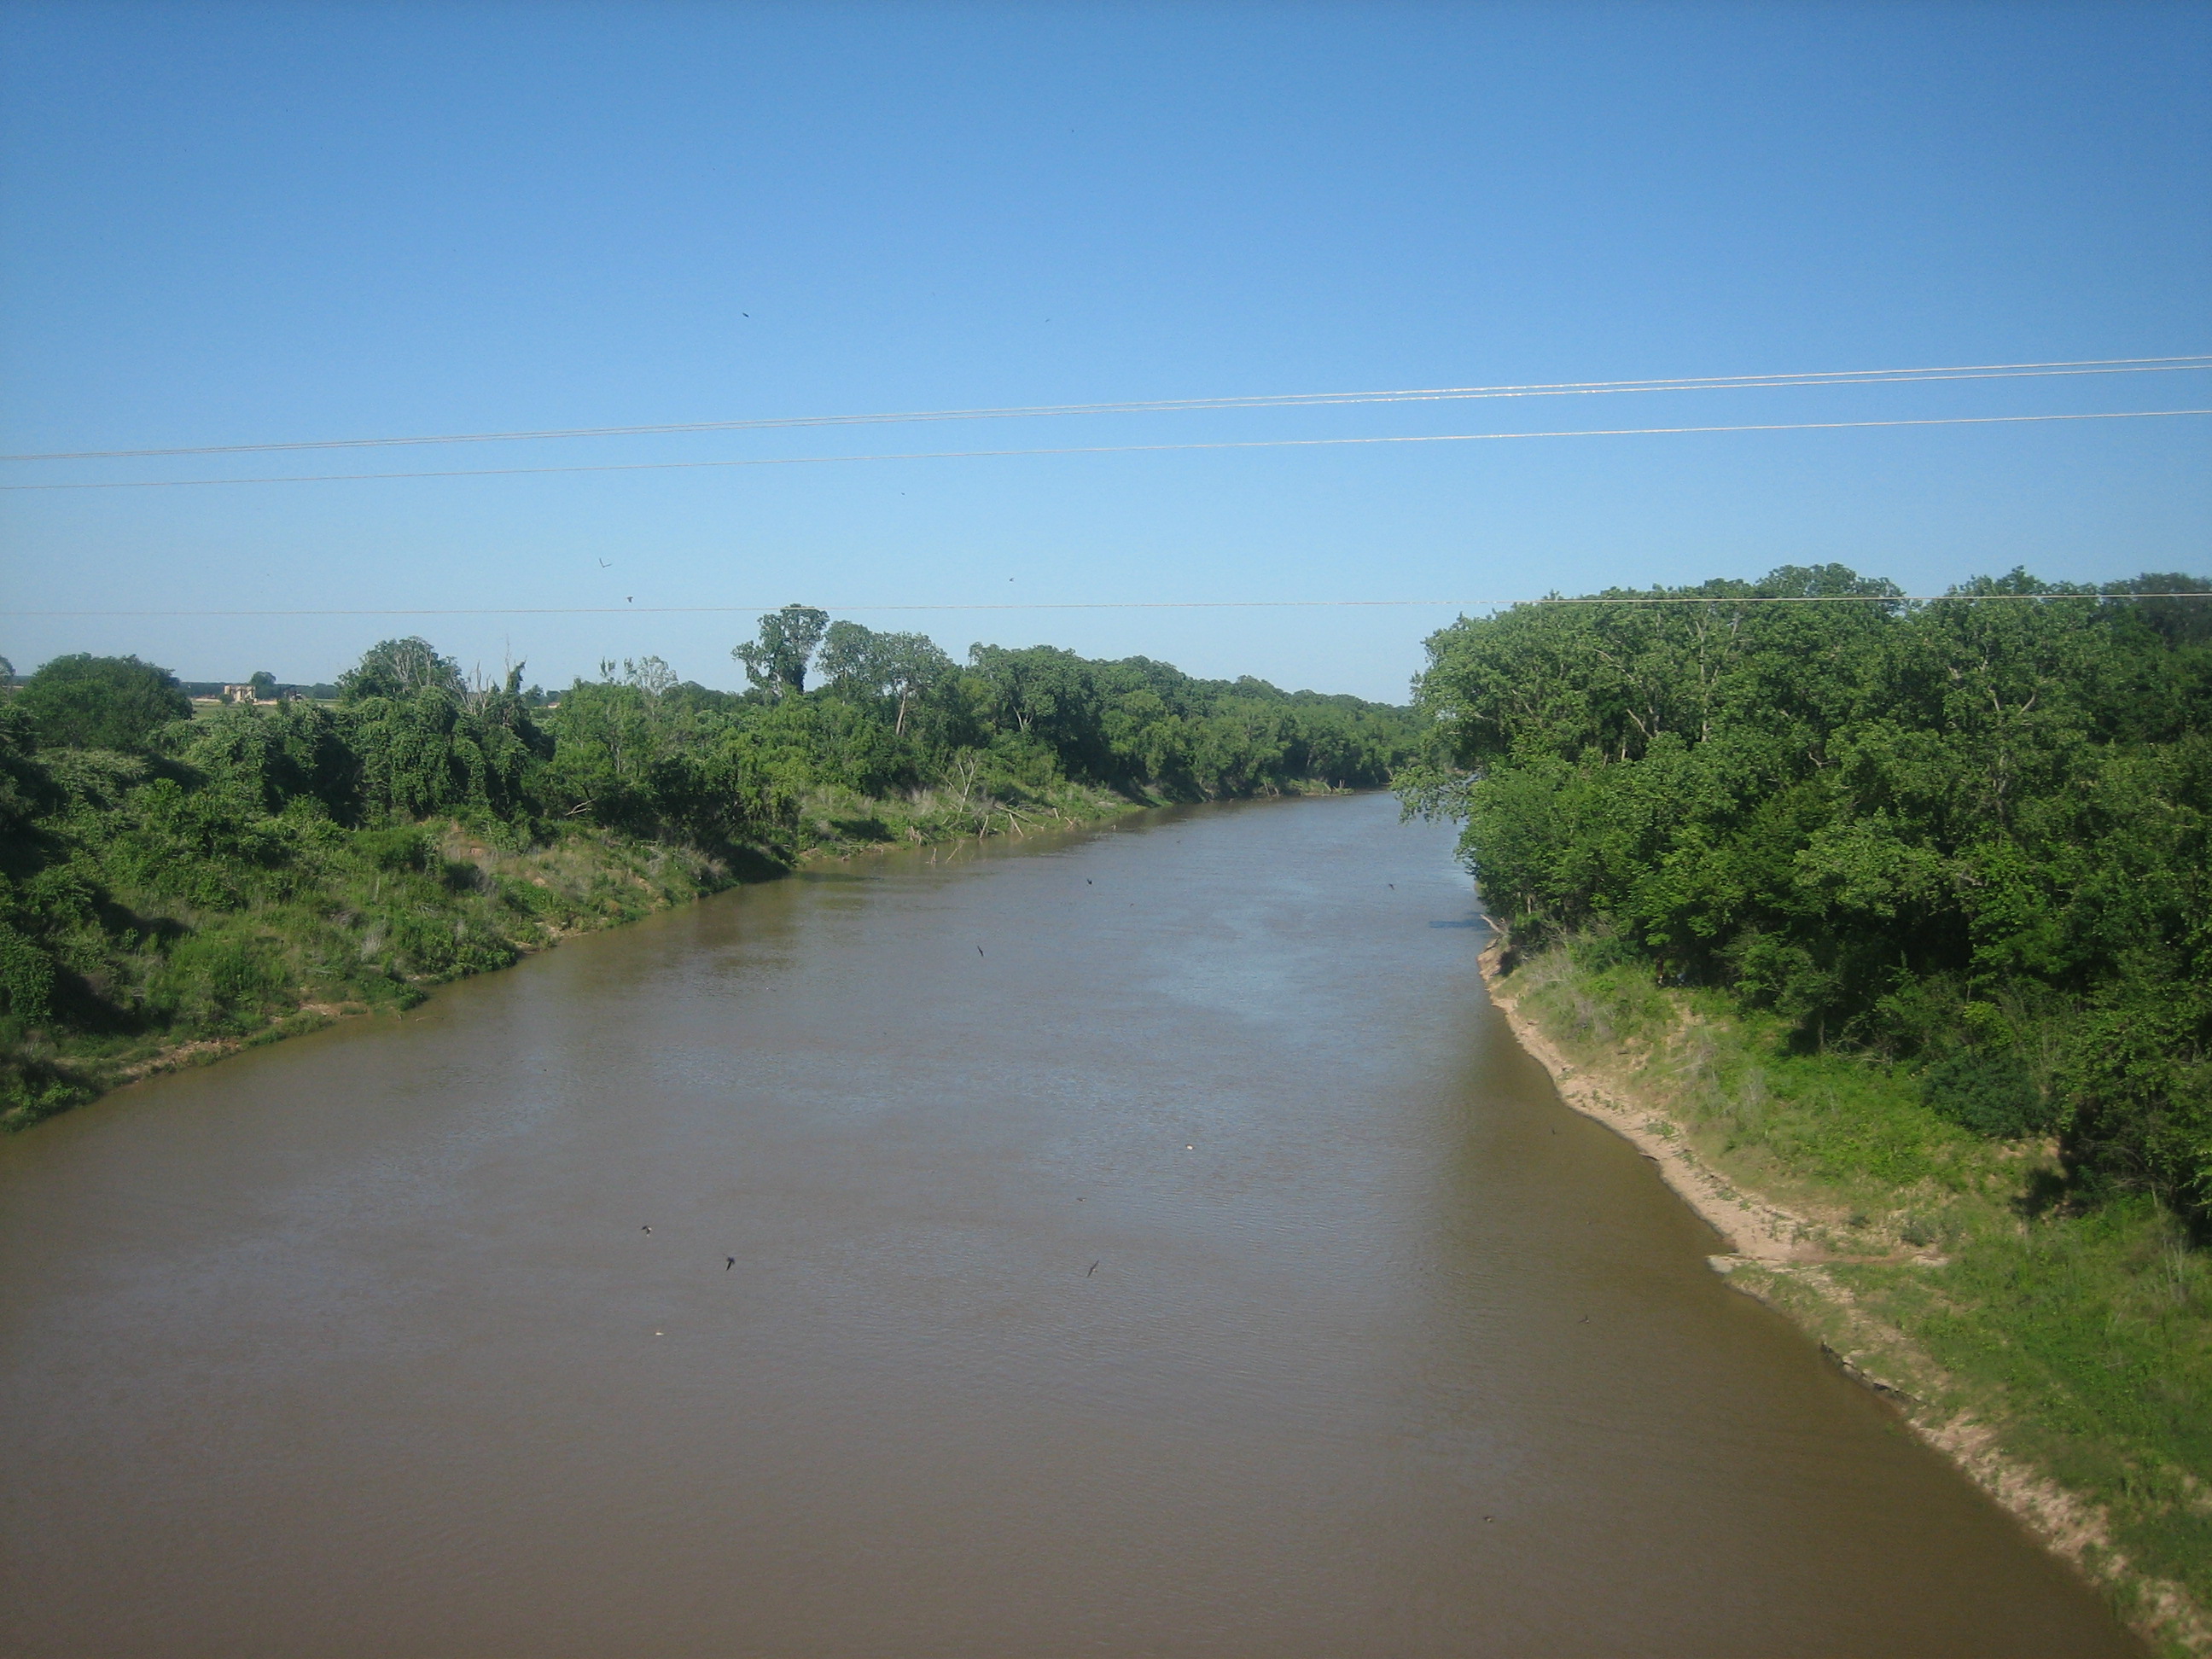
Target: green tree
column 609, row 738
column 400, row 668
column 650, row 675
column 859, row 662
column 84, row 701
column 429, row 753
column 422, row 743
column 2181, row 622
column 776, row 662
column 264, row 761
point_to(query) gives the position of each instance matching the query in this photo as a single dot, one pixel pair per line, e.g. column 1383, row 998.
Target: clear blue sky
column 230, row 224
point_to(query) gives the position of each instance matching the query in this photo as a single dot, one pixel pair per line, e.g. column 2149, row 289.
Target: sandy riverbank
column 1779, row 1257
column 1753, row 1228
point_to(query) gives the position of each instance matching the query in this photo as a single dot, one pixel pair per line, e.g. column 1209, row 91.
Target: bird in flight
column 644, row 1230
column 604, row 565
column 728, row 1262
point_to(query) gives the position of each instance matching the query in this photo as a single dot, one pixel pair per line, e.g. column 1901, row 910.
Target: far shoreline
column 313, row 1014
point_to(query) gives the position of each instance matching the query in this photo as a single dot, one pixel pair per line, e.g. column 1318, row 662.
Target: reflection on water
column 1138, row 1243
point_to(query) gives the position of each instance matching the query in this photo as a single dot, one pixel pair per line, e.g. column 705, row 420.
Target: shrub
column 220, row 985
column 401, row 847
column 1989, row 1091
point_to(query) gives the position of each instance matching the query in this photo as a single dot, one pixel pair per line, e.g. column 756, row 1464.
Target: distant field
column 203, row 707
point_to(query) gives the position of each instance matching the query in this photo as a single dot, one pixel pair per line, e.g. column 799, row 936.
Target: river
column 1143, row 1242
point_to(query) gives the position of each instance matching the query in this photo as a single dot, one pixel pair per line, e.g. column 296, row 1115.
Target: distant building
column 238, row 694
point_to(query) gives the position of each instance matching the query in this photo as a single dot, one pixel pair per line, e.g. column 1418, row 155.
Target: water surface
column 1145, row 1243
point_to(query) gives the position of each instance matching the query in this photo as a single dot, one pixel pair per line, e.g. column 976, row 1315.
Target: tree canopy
column 1970, row 833
column 84, row 701
column 776, row 661
column 400, row 668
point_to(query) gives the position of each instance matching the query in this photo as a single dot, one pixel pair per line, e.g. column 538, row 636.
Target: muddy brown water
column 1146, row 1242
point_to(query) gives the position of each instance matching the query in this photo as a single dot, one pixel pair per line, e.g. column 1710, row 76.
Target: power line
column 1160, row 405
column 1102, row 449
column 1161, row 604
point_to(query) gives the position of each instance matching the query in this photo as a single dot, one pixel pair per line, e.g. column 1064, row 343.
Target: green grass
column 2081, row 1333
column 2091, row 1337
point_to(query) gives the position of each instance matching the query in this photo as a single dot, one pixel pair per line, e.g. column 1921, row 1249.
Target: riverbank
column 2062, row 1360
column 375, row 922
column 370, row 924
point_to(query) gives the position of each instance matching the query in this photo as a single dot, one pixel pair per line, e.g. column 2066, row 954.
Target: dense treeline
column 891, row 716
column 1969, row 836
column 166, row 878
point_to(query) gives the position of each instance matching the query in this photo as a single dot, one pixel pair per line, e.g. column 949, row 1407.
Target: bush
column 26, row 976
column 219, row 985
column 400, row 847
column 1991, row 1093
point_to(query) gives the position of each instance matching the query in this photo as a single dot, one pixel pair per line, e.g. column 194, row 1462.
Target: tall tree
column 859, row 662
column 400, row 668
column 777, row 661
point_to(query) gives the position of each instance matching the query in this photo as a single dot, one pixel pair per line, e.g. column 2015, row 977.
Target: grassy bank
column 2061, row 1351
column 187, row 961
column 363, row 922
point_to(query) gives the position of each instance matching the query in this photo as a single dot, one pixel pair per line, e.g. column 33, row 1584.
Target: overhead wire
column 1099, row 449
column 1160, row 405
column 1641, row 600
